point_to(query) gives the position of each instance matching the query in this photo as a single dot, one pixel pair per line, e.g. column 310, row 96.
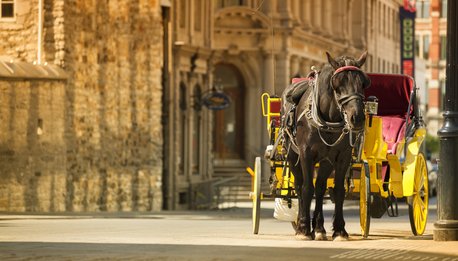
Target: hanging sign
column 216, row 100
column 407, row 18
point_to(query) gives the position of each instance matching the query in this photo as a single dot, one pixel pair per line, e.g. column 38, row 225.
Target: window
column 426, row 47
column 422, row 7
column 443, row 46
column 7, row 8
column 417, row 46
column 444, row 8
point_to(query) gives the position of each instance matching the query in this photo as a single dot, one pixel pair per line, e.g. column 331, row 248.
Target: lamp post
column 446, row 227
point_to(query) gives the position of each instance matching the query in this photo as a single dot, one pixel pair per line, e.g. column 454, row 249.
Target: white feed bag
column 283, row 212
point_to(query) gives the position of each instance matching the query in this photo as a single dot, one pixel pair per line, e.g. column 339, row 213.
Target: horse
column 329, row 119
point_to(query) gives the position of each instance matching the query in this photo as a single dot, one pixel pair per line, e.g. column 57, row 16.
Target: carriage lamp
column 371, row 108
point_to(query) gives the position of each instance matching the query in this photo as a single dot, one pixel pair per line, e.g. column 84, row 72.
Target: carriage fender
column 395, row 175
column 413, row 148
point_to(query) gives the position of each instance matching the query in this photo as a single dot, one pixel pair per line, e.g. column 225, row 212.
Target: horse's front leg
column 295, row 168
column 339, row 190
column 306, row 193
column 320, row 188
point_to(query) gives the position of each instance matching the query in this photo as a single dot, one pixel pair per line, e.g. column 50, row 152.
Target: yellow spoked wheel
column 365, row 200
column 418, row 207
column 256, row 195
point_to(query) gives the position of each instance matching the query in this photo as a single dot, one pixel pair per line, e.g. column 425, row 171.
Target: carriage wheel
column 256, row 196
column 365, row 200
column 418, row 206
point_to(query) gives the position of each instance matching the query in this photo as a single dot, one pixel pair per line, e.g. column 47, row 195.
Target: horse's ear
column 332, row 62
column 362, row 59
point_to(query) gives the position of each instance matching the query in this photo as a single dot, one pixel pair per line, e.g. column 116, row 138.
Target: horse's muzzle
column 356, row 121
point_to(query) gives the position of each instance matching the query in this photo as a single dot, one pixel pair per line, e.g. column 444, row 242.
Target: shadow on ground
column 86, row 251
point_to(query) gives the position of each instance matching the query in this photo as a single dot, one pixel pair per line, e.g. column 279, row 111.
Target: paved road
column 209, row 235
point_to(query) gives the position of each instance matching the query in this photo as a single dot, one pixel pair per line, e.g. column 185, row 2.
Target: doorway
column 229, row 123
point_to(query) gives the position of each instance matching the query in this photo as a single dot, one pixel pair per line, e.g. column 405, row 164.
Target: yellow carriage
column 387, row 165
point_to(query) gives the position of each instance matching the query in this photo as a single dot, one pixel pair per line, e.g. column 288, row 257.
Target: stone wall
column 113, row 106
column 32, row 146
column 101, row 142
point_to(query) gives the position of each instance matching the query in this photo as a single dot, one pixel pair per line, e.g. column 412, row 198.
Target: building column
column 306, row 10
column 268, row 80
column 316, row 15
column 326, row 17
column 348, row 22
column 282, row 69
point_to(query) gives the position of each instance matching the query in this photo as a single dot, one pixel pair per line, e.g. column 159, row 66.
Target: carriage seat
column 393, row 131
column 393, row 92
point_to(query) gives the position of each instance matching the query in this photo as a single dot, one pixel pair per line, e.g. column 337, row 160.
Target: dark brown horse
column 329, row 118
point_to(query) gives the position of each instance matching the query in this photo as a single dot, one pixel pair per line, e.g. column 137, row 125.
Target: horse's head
column 348, row 82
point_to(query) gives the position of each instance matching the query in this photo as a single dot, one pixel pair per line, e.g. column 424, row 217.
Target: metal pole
column 446, row 227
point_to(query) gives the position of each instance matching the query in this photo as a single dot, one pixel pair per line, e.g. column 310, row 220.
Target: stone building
column 80, row 105
column 101, row 101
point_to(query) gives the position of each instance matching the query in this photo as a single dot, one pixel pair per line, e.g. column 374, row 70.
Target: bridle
column 342, row 100
column 342, row 126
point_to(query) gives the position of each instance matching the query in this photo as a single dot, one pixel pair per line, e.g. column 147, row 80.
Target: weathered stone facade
column 100, row 147
column 32, row 146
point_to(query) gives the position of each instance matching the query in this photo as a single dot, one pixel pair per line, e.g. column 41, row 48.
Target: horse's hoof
column 340, row 238
column 303, row 237
column 320, row 236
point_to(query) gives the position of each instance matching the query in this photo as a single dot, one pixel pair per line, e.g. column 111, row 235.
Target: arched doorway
column 229, row 123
